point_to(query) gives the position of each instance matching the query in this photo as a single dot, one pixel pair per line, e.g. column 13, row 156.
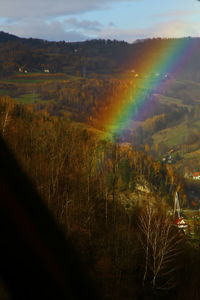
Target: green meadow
column 28, row 98
column 171, row 136
column 4, row 92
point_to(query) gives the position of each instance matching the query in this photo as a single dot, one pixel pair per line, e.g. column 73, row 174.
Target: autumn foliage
column 91, row 186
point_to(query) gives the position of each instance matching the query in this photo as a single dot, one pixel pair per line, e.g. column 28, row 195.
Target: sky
column 79, row 20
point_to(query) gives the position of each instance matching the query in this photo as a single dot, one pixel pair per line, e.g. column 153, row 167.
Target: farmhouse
column 181, row 223
column 196, row 175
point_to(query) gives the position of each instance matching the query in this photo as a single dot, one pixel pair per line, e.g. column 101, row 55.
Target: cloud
column 54, row 31
column 178, row 13
column 74, row 30
column 84, row 24
column 176, row 28
column 52, row 20
column 47, row 8
column 173, row 29
column 111, row 24
column 41, row 19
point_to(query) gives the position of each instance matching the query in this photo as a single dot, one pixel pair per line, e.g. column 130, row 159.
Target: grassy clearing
column 169, row 100
column 171, row 136
column 188, row 82
column 28, row 98
column 43, row 76
column 21, row 81
column 194, row 155
column 25, row 80
column 34, row 78
column 4, row 92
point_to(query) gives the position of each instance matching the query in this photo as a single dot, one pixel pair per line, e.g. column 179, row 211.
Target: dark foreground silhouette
column 36, row 260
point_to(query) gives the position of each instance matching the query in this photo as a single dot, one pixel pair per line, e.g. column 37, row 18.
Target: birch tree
column 162, row 243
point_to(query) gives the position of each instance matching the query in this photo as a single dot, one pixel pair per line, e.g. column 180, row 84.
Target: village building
column 168, row 159
column 23, row 69
column 181, row 223
column 196, row 176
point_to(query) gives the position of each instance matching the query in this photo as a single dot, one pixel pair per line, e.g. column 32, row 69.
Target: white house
column 181, row 223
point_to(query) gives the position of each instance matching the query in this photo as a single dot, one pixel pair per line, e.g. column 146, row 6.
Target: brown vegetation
column 81, row 178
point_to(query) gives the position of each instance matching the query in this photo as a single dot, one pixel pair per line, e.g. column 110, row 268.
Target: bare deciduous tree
column 162, row 243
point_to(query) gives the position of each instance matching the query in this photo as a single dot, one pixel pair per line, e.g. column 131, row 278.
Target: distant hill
column 76, row 80
column 6, row 37
column 102, row 57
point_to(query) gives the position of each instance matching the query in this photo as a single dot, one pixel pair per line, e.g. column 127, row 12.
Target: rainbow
column 129, row 103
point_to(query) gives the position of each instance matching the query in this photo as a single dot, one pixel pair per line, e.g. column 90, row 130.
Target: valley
column 108, row 141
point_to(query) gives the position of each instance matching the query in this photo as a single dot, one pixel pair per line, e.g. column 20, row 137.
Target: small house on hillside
column 23, row 69
column 196, row 176
column 181, row 223
column 168, row 159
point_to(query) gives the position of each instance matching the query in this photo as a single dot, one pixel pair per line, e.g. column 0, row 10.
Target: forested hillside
column 82, row 81
column 112, row 194
column 100, row 194
column 102, row 57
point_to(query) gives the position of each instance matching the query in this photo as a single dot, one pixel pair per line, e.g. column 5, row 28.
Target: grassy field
column 34, row 78
column 28, row 80
column 26, row 83
column 4, row 92
column 28, row 99
column 171, row 136
column 193, row 221
column 169, row 100
column 194, row 154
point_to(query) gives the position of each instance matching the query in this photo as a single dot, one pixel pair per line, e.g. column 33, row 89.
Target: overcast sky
column 77, row 20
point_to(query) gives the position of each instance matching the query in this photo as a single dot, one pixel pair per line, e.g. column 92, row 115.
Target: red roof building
column 196, row 175
column 180, row 223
